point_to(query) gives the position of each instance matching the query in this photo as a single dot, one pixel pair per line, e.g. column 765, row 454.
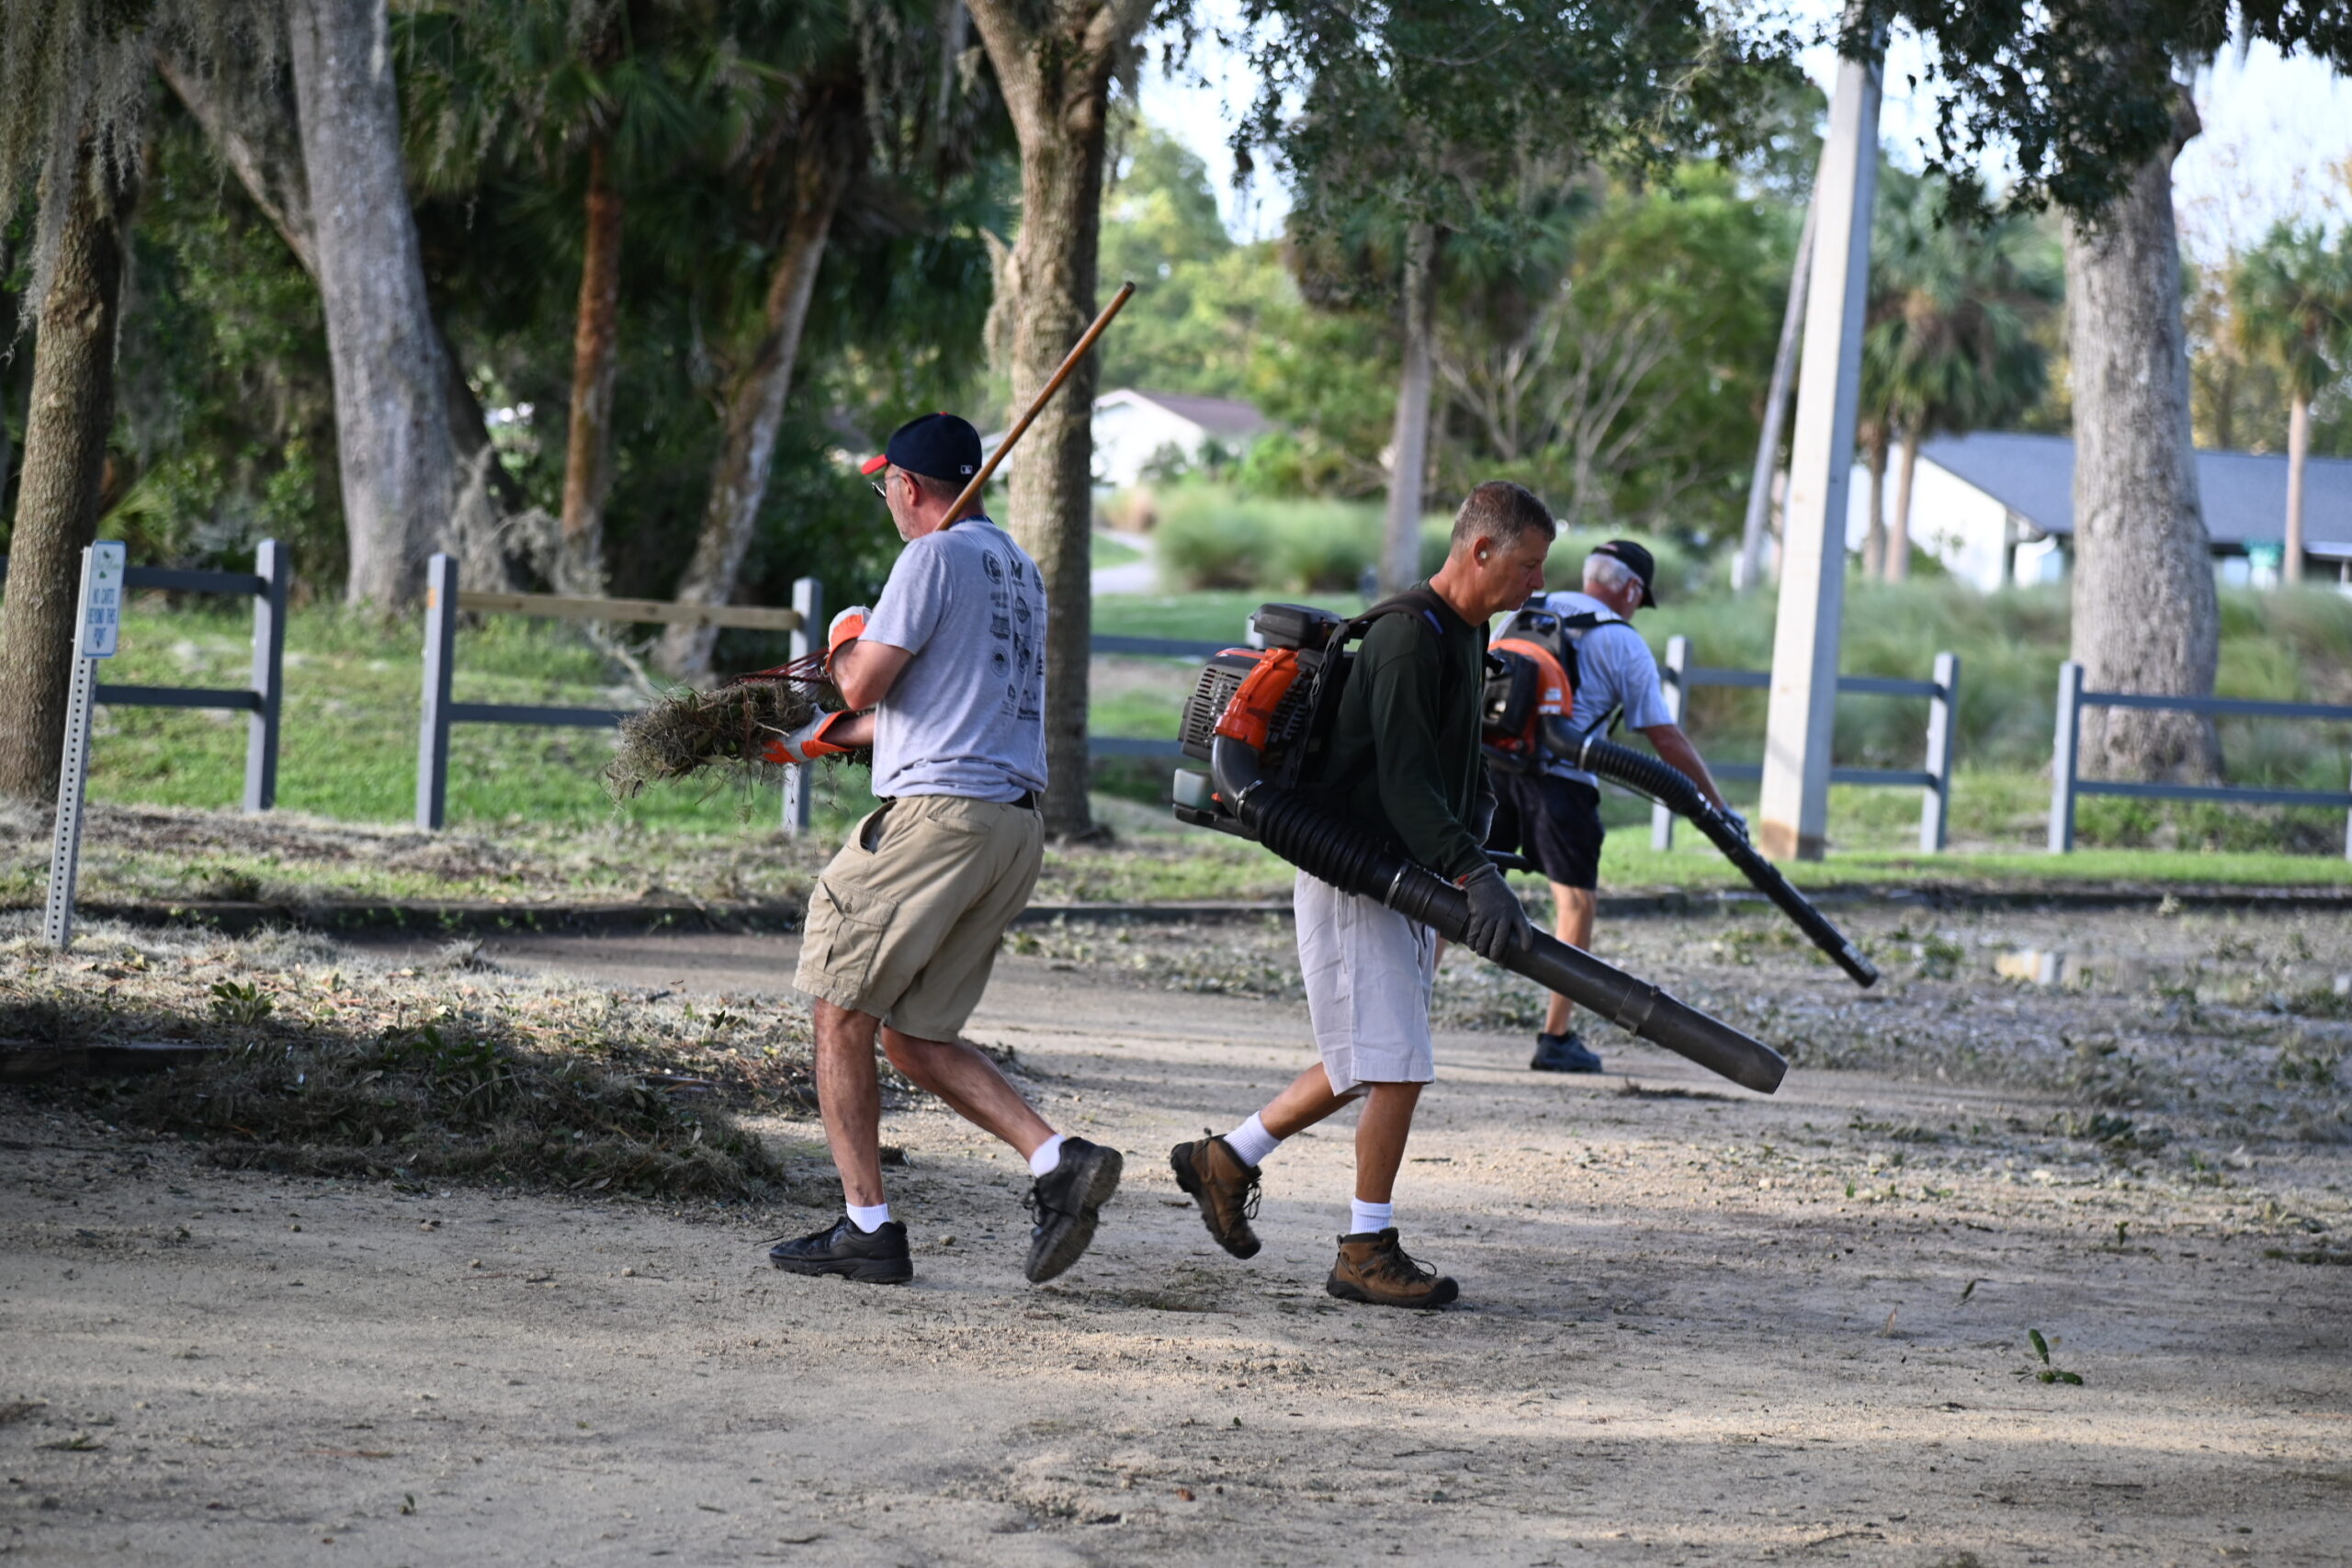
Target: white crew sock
column 1367, row 1219
column 1251, row 1141
column 868, row 1220
column 1048, row 1154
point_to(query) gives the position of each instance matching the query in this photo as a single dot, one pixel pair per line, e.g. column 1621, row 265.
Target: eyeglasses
column 880, row 490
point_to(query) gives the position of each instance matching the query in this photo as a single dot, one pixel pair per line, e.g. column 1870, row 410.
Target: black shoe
column 871, row 1257
column 1562, row 1053
column 1067, row 1202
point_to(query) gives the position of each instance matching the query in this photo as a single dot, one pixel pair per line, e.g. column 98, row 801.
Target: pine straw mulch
column 689, row 731
column 338, row 1064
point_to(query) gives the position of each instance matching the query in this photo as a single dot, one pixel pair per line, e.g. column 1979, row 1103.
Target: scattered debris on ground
column 329, row 1062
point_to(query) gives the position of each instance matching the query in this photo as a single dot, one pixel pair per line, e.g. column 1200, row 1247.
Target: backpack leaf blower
column 1259, row 717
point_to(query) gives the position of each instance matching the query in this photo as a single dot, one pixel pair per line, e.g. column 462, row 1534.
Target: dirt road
column 1697, row 1327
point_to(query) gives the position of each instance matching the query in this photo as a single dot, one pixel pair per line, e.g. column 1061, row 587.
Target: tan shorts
column 904, row 923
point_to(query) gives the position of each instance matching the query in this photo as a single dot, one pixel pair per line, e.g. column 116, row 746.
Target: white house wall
column 1128, row 435
column 1951, row 519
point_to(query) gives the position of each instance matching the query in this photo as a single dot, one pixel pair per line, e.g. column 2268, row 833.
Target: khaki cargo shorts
column 904, row 923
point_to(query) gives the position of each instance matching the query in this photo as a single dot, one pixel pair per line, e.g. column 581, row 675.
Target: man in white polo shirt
column 903, row 926
column 1552, row 816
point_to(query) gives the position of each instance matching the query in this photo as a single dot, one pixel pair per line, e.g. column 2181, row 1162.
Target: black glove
column 1498, row 924
column 1739, row 823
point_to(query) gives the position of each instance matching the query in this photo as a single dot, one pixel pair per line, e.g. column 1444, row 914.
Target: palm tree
column 2292, row 295
column 1951, row 347
column 605, row 96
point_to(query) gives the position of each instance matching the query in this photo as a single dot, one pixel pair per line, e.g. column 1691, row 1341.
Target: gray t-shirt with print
column 967, row 716
column 1615, row 669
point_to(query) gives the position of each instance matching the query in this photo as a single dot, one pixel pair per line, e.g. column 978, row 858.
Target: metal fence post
column 275, row 566
column 799, row 786
column 1670, row 675
column 432, row 725
column 2062, row 758
column 1943, row 727
column 96, row 623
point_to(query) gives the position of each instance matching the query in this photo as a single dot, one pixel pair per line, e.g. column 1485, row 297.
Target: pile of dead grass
column 345, row 1068
column 689, row 732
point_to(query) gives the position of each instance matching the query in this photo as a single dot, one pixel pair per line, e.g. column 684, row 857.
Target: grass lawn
column 1109, row 551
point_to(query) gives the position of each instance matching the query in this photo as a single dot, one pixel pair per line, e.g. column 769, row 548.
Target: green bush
column 1212, row 537
column 1206, row 541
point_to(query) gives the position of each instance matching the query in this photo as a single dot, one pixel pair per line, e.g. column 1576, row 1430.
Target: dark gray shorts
column 1552, row 821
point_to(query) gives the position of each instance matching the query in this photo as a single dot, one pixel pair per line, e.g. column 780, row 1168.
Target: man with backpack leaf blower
column 1402, row 761
column 1586, row 660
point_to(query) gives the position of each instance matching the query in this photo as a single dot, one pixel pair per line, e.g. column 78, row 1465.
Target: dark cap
column 1634, row 557
column 937, row 445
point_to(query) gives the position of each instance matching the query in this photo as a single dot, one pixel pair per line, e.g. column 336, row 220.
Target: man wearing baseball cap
column 945, row 679
column 1552, row 816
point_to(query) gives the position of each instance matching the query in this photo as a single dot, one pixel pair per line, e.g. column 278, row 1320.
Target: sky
column 2278, row 137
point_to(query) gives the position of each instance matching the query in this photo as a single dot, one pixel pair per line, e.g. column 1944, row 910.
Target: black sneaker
column 875, row 1258
column 1066, row 1202
column 1562, row 1053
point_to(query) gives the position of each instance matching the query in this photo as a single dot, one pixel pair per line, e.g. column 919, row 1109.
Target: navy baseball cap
column 937, row 445
column 1643, row 565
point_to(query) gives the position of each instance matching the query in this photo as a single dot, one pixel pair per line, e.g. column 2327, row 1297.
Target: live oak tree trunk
column 595, row 369
column 2298, row 449
column 1898, row 534
column 2146, row 617
column 1055, row 61
column 250, row 120
column 1400, row 556
column 400, row 476
column 739, row 480
column 66, row 422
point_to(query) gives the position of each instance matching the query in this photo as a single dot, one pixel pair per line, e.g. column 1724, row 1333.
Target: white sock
column 1366, row 1219
column 868, row 1220
column 1048, row 1154
column 1252, row 1142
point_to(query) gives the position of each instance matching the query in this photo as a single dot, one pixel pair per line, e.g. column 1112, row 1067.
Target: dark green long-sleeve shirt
column 1404, row 750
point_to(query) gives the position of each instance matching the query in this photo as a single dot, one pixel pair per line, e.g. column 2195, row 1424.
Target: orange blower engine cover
column 1535, row 683
column 1250, row 716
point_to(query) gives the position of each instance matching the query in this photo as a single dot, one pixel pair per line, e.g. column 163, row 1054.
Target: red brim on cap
column 874, row 464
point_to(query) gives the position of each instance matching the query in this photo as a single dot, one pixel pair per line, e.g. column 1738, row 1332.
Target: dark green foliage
column 225, row 435
column 2081, row 93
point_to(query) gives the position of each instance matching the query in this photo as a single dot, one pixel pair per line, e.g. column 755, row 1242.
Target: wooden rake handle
column 1037, row 404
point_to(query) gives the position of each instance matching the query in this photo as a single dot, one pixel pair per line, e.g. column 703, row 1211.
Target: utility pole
column 1747, row 567
column 1795, row 811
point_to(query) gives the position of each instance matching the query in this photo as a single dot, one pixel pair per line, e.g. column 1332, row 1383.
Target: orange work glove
column 807, row 743
column 846, row 628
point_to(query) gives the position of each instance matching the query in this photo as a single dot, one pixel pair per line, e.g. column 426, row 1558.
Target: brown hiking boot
column 1374, row 1268
column 1226, row 1190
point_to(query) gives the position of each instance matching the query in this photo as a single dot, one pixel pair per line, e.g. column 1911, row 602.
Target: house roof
column 2245, row 493
column 1226, row 417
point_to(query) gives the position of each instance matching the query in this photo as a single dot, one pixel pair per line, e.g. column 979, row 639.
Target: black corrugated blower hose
column 1671, row 788
column 1300, row 829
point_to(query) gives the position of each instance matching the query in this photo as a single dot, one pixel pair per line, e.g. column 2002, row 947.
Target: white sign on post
column 98, row 623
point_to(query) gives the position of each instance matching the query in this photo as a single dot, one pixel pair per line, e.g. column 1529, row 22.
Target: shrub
column 1205, row 539
column 1211, row 537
